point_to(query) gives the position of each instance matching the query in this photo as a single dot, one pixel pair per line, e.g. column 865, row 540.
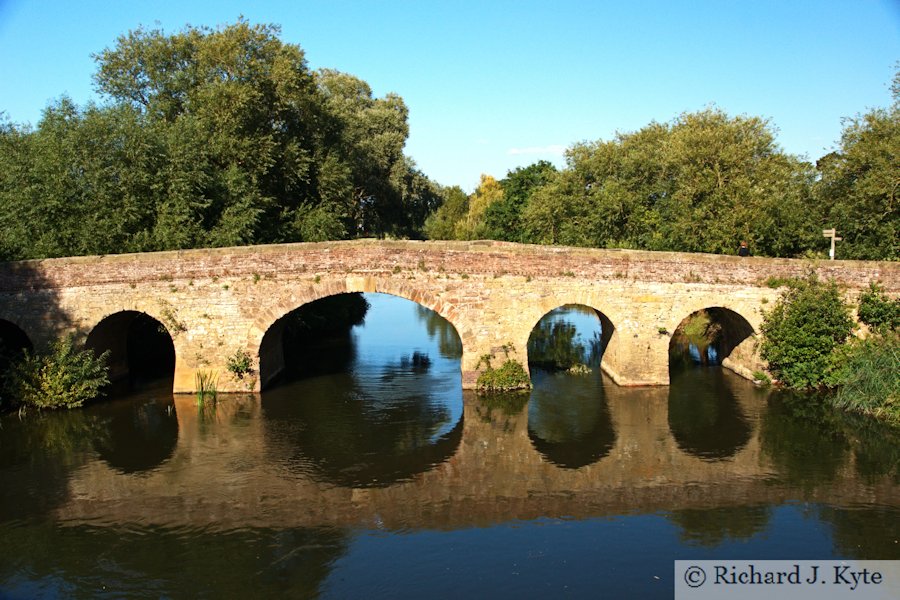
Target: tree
column 503, row 218
column 859, row 188
column 441, row 224
column 209, row 137
column 487, row 193
column 699, row 184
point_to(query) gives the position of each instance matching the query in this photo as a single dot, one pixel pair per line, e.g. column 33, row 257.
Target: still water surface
column 381, row 478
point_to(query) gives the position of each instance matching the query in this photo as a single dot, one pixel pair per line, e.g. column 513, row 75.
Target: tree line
column 701, row 183
column 221, row 137
column 209, row 138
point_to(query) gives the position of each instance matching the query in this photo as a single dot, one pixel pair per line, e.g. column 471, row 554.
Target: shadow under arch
column 140, row 349
column 14, row 343
column 569, row 421
column 708, row 336
column 376, row 406
column 705, row 417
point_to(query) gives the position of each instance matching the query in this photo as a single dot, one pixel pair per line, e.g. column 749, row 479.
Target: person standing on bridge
column 743, row 250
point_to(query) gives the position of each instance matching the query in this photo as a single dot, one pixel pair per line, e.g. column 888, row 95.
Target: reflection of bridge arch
column 139, row 345
column 267, row 348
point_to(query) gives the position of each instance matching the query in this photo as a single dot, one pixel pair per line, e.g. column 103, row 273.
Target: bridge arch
column 716, row 335
column 267, row 348
column 13, row 339
column 140, row 348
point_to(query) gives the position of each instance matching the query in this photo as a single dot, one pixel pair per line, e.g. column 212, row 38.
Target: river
column 378, row 476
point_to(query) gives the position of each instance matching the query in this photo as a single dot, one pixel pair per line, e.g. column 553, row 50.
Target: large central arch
column 294, row 298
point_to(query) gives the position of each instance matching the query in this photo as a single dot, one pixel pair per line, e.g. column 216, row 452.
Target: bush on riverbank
column 802, row 330
column 62, row 377
column 808, row 344
column 865, row 372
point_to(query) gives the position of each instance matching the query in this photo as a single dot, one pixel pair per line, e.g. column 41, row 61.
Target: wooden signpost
column 831, row 233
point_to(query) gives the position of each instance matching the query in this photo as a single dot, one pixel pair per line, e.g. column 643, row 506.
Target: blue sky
column 492, row 85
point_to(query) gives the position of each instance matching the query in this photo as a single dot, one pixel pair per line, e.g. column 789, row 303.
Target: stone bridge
column 215, row 302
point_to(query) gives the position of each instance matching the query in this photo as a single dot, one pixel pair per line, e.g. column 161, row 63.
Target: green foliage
column 209, row 137
column 699, row 184
column 510, row 376
column 503, row 218
column 858, row 188
column 63, row 377
column 441, row 225
column 877, row 310
column 239, row 363
column 206, row 383
column 866, row 373
column 802, row 330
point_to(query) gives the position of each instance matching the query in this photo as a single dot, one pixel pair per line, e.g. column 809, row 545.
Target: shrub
column 802, row 330
column 510, row 376
column 866, row 371
column 63, row 377
column 877, row 310
column 239, row 363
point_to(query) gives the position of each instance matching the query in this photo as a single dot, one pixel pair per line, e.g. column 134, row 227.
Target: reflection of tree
column 37, row 454
column 797, row 437
column 139, row 562
column 501, row 407
column 704, row 415
column 713, row 526
column 569, row 420
column 860, row 534
column 449, row 344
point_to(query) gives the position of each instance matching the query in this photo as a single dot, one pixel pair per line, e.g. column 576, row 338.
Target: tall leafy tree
column 502, row 218
column 209, row 137
column 699, row 184
column 859, row 188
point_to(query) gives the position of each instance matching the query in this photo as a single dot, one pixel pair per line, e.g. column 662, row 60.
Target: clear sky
column 492, row 85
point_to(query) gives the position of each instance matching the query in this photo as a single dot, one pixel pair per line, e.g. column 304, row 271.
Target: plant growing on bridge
column 239, row 363
column 510, row 376
column 206, row 383
column 62, row 377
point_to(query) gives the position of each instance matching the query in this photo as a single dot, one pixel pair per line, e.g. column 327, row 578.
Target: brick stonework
column 216, row 301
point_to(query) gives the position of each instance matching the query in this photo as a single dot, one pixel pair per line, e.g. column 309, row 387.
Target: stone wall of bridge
column 214, row 302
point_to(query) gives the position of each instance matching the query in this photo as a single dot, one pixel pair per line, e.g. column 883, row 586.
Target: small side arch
column 140, row 348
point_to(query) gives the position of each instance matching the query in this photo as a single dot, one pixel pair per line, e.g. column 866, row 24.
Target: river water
column 380, row 477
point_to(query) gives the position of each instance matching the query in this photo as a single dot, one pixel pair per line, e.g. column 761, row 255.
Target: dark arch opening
column 140, row 348
column 707, row 337
column 569, row 421
column 366, row 406
column 13, row 344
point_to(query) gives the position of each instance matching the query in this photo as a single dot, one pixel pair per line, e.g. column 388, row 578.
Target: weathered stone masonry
column 216, row 301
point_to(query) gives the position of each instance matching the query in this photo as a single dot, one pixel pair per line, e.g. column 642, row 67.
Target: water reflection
column 569, row 421
column 797, row 438
column 45, row 561
column 705, row 417
column 712, row 527
column 393, row 411
column 140, row 432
